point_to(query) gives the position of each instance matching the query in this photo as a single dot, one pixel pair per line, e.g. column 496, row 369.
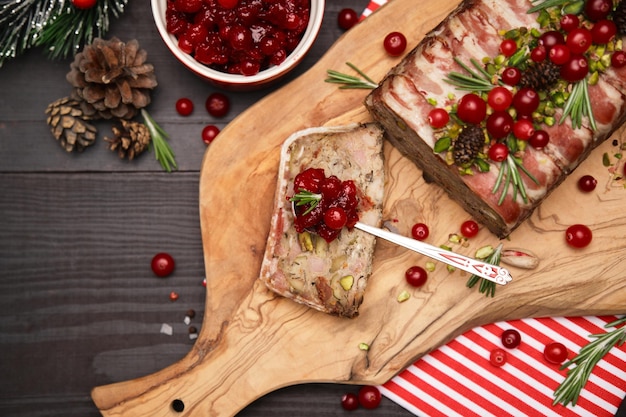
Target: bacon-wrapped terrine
column 500, row 194
column 328, row 276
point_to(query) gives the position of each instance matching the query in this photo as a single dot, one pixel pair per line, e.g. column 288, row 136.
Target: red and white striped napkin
column 458, row 380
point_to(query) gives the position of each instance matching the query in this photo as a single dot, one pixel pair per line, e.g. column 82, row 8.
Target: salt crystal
column 167, row 329
column 187, row 320
column 193, row 336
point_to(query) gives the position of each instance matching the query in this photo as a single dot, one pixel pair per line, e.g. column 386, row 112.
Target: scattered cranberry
column 511, row 76
column 416, row 276
column 499, row 98
column 84, row 4
column 438, row 118
column 347, row 18
column 618, row 59
column 508, row 47
column 217, row 104
column 526, row 101
column 575, row 69
column 209, row 133
column 598, row 9
column 471, row 108
column 538, row 54
column 497, row 357
column 350, row 401
column 369, row 397
column 420, row 231
column 173, row 296
column 539, row 139
column 395, row 43
column 569, row 22
column 204, row 282
column 498, row 152
column 587, row 183
column 511, row 338
column 523, row 129
column 603, row 31
column 578, row 236
column 184, row 106
column 550, row 38
column 559, row 54
column 162, row 264
column 555, row 352
column 469, row 228
column 579, row 40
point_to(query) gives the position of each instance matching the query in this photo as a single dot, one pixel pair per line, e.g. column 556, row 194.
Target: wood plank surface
column 79, row 306
column 254, row 338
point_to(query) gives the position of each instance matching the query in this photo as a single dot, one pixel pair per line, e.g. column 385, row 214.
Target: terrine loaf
column 329, row 276
column 500, row 163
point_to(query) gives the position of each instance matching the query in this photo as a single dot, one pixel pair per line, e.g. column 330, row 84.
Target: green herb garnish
column 578, row 105
column 510, row 172
column 492, row 257
column 162, row 150
column 304, row 197
column 351, row 81
column 477, row 80
column 587, row 358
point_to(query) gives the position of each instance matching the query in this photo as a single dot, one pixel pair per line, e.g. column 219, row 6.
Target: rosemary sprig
column 486, row 287
column 545, row 4
column 510, row 172
column 578, row 105
column 162, row 149
column 351, row 81
column 477, row 80
column 587, row 358
column 304, row 197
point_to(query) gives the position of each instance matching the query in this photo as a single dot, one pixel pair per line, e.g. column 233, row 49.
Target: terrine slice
column 330, row 277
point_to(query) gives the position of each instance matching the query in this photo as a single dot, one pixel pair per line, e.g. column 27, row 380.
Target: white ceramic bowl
column 236, row 81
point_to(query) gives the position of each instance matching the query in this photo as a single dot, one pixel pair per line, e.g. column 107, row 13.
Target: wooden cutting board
column 253, row 342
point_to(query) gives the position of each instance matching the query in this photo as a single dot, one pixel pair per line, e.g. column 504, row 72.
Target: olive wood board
column 253, row 342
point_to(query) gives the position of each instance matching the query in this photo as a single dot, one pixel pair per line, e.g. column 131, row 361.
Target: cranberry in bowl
column 239, row 44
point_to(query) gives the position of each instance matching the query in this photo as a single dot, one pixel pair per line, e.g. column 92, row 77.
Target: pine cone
column 112, row 79
column 130, row 140
column 69, row 125
column 541, row 76
column 468, row 144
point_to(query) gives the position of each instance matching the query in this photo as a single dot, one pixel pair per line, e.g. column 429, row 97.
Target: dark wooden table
column 79, row 305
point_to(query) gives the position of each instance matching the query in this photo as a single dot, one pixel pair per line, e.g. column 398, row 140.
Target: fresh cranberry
column 497, row 357
column 511, row 76
column 579, row 40
column 420, row 231
column 369, row 397
column 550, row 38
column 587, row 183
column 184, row 106
column 499, row 124
column 209, row 133
column 416, row 276
column 618, row 59
column 469, row 228
column 309, row 180
column 508, row 47
column 555, row 353
column 395, row 43
column 569, row 22
column 526, row 101
column 438, row 118
column 539, row 139
column 523, row 129
column 578, row 235
column 511, row 338
column 598, row 9
column 347, row 18
column 538, row 54
column 350, row 402
column 559, row 54
column 471, row 108
column 217, row 104
column 162, row 264
column 603, row 31
column 575, row 69
column 499, row 98
column 498, row 152
column 228, row 4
